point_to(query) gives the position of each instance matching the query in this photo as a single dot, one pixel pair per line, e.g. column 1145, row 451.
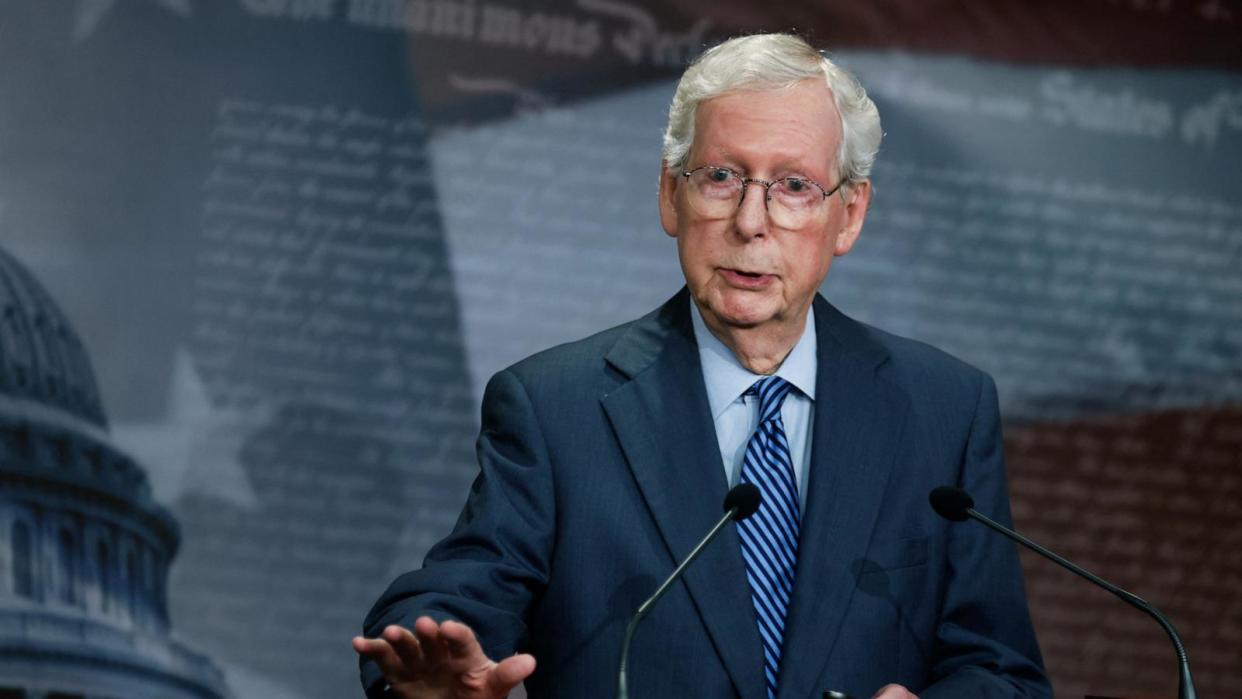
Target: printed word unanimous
column 637, row 36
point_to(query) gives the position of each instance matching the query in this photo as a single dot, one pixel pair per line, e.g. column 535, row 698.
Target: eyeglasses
column 716, row 192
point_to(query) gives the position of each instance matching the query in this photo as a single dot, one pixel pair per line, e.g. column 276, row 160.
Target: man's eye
column 719, row 175
column 796, row 185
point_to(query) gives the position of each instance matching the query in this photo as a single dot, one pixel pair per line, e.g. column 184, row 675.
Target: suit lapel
column 663, row 422
column 859, row 421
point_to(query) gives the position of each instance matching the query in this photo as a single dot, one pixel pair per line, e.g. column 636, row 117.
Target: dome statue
column 84, row 548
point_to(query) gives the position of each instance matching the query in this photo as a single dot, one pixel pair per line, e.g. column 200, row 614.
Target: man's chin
column 741, row 318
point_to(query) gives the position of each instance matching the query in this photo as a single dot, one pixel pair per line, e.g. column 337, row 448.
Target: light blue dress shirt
column 736, row 416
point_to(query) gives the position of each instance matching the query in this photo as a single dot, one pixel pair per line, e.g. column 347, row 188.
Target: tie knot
column 772, row 392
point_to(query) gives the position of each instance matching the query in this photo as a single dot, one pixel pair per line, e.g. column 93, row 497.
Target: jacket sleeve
column 488, row 571
column 985, row 644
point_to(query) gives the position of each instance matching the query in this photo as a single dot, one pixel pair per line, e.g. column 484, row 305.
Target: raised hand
column 441, row 661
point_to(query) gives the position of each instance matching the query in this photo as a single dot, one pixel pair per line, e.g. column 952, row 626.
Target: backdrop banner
column 296, row 237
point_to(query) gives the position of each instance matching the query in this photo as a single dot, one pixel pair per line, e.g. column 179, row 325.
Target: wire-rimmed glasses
column 715, row 192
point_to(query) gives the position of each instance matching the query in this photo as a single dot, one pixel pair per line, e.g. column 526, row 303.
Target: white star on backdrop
column 194, row 447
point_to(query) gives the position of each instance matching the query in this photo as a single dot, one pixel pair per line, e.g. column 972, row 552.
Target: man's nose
column 751, row 218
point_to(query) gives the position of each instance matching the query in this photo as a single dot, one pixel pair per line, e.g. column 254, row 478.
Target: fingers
column 443, row 650
column 368, row 647
column 397, row 652
column 431, row 641
column 407, row 648
column 382, row 653
column 460, row 642
column 509, row 672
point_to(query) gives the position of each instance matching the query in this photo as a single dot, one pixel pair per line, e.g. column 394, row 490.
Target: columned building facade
column 84, row 548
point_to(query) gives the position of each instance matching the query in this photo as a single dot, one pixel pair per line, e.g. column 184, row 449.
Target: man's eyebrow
column 784, row 167
column 724, row 159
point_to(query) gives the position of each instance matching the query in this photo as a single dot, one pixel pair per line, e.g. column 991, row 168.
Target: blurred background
column 259, row 257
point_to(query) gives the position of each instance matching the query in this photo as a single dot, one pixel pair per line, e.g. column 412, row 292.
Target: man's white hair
column 768, row 62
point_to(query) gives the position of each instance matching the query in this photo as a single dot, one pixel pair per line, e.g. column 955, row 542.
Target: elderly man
column 604, row 461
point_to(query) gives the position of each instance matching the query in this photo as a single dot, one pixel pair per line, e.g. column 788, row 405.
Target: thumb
column 509, row 672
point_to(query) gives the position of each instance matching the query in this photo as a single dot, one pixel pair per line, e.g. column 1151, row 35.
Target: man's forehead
column 741, row 158
column 785, row 127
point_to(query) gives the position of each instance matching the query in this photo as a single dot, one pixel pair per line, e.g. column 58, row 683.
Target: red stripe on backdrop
column 1154, row 504
column 475, row 61
column 1206, row 33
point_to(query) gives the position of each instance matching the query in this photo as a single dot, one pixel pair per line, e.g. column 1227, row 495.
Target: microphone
column 741, row 502
column 956, row 505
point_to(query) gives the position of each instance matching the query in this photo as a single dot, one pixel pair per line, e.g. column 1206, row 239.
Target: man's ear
column 670, row 181
column 857, row 200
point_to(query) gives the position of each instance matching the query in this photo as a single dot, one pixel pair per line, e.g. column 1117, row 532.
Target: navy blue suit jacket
column 600, row 470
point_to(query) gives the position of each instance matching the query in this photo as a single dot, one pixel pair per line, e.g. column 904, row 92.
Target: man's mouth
column 746, row 278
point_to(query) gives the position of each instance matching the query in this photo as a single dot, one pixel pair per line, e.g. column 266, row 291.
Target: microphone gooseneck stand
column 956, row 505
column 741, row 502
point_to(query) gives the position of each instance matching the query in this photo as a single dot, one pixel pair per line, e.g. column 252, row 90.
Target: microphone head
column 951, row 503
column 745, row 497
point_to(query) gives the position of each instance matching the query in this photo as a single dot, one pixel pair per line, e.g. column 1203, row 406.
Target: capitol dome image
column 84, row 548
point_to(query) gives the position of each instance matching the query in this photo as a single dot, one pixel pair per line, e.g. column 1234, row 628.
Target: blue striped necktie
column 770, row 536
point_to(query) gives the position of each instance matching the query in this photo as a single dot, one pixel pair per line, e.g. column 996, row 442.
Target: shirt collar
column 725, row 377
